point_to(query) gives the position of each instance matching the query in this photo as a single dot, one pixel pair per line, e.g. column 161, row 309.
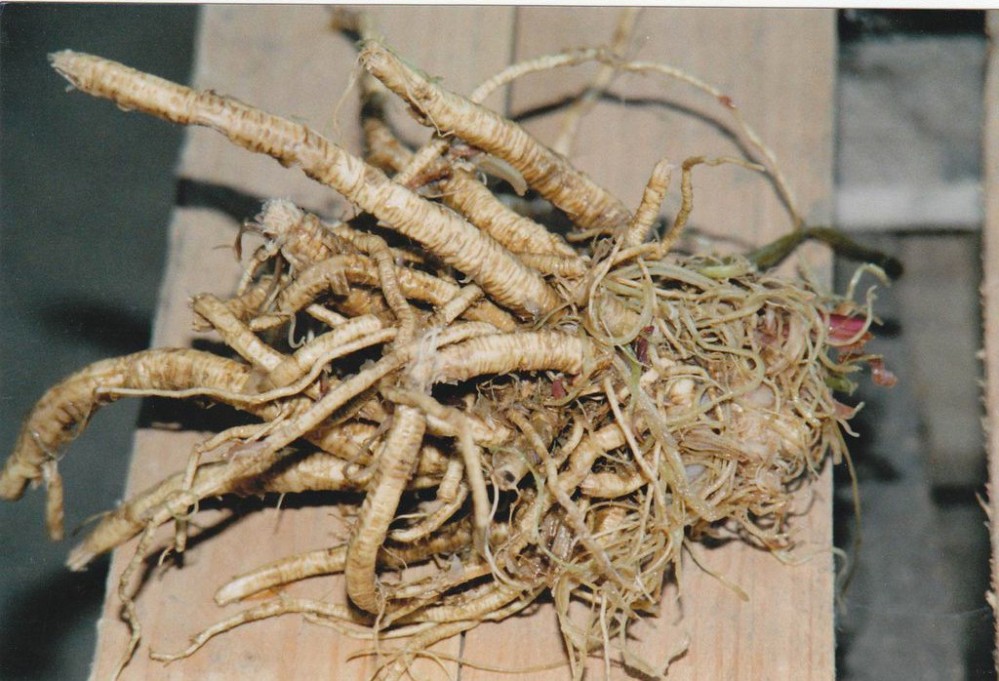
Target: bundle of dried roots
column 520, row 411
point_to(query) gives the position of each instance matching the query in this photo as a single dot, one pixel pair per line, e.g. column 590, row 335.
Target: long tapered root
column 547, row 172
column 441, row 232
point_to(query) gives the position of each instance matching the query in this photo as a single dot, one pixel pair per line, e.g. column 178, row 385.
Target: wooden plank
column 779, row 67
column 990, row 290
column 285, row 60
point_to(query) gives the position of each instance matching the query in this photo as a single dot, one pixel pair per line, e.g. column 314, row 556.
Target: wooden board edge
column 990, row 290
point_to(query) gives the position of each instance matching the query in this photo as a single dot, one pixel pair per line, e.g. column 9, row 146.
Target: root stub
column 563, row 422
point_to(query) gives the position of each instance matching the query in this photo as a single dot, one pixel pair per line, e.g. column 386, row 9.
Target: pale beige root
column 449, row 422
column 450, row 539
column 423, row 161
column 611, row 484
column 235, row 333
column 479, row 205
column 546, row 172
column 283, row 571
column 175, row 499
column 307, row 420
column 456, row 306
column 248, row 302
column 252, row 271
column 508, row 353
column 274, row 608
column 459, row 188
column 510, row 467
column 591, row 447
column 574, row 513
column 471, row 455
column 520, row 69
column 546, row 351
column 318, row 471
column 341, row 270
column 558, row 265
column 249, row 466
column 339, row 617
column 63, row 411
column 394, row 468
column 451, row 494
column 467, row 431
column 419, row 596
column 502, row 354
column 302, row 238
column 651, row 203
column 382, row 147
column 343, row 467
column 55, row 514
column 324, row 315
column 628, row 427
column 432, row 521
column 352, row 302
column 126, row 595
column 575, row 517
column 389, row 284
column 440, row 231
column 367, row 329
column 475, row 603
column 420, row 643
column 687, row 191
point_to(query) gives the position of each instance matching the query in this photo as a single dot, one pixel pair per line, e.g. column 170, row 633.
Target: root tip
column 63, row 61
column 79, row 559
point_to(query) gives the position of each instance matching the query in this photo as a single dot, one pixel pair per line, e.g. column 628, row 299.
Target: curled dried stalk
column 515, row 414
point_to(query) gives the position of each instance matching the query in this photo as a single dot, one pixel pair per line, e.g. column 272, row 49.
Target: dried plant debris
column 519, row 411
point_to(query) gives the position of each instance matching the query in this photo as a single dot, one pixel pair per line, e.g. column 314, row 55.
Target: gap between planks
column 990, row 291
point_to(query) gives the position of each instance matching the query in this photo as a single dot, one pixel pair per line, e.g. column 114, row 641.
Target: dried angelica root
column 512, row 412
column 394, row 469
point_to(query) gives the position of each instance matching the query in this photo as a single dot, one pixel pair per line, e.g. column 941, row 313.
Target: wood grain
column 778, row 66
column 285, row 60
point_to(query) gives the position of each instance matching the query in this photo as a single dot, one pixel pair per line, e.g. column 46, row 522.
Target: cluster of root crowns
column 520, row 411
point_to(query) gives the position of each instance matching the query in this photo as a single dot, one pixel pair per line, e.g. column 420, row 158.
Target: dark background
column 85, row 198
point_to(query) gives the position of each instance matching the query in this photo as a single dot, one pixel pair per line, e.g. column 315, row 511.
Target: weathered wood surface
column 990, row 289
column 777, row 66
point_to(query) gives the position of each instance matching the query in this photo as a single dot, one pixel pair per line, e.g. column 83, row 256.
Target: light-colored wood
column 778, row 66
column 288, row 61
column 990, row 288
